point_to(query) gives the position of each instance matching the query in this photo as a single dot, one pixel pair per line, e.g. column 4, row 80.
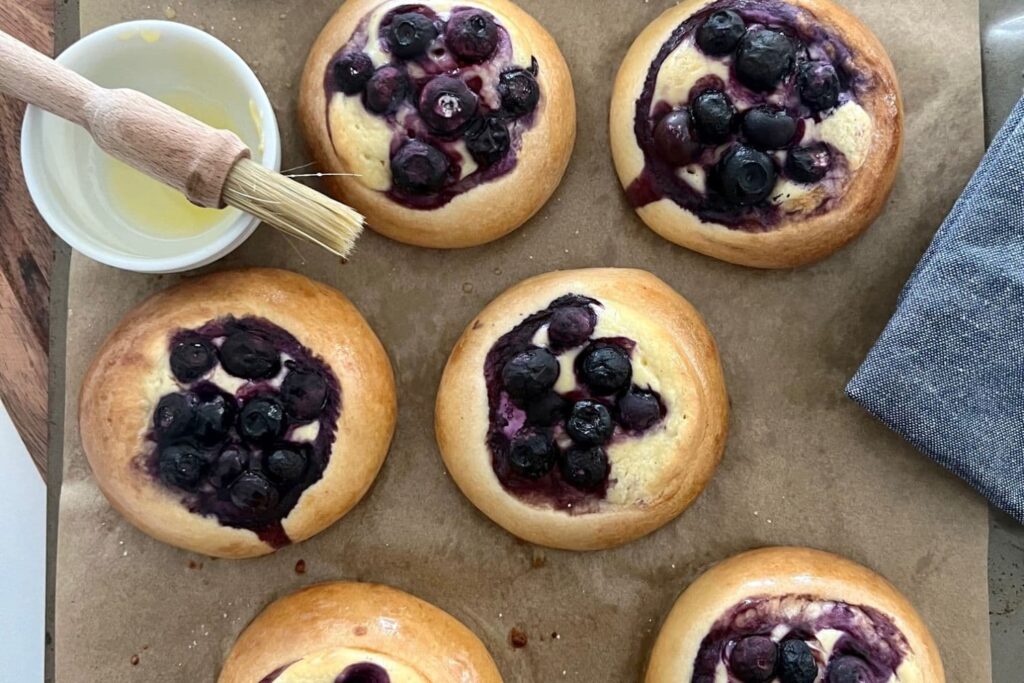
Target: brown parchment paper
column 803, row 465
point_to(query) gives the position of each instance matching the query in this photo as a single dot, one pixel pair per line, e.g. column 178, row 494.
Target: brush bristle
column 292, row 207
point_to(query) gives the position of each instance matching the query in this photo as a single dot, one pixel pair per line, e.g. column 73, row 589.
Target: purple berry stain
column 467, row 89
column 231, row 455
column 870, row 649
column 550, row 448
column 775, row 52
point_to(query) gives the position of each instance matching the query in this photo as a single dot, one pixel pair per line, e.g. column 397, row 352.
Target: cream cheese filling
column 848, row 128
column 364, row 139
column 639, row 463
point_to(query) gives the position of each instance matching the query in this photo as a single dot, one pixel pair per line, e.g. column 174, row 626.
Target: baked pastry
column 583, row 409
column 762, row 132
column 357, row 633
column 238, row 412
column 793, row 615
column 453, row 121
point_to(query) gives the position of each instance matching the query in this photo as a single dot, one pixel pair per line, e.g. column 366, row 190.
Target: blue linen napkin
column 948, row 372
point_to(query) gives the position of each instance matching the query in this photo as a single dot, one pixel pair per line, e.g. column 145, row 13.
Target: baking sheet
column 803, row 465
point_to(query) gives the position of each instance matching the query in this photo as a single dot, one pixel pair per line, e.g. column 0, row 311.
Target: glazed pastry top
column 434, row 97
column 752, row 111
column 585, row 406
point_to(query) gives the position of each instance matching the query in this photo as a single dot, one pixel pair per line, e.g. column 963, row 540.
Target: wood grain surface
column 25, row 254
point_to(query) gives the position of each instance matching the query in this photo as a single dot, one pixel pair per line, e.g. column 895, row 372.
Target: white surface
column 22, row 559
column 61, row 162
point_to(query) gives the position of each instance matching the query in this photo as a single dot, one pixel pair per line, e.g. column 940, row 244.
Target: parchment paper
column 803, row 465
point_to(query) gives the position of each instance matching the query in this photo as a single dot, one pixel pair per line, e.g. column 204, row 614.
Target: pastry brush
column 211, row 167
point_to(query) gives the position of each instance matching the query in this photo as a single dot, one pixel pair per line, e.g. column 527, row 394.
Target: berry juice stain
column 232, row 455
column 550, row 448
column 450, row 85
column 788, row 68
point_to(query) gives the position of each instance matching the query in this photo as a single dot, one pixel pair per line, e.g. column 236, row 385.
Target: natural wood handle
column 146, row 134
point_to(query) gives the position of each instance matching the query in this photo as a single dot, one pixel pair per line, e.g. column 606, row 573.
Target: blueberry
column 182, row 466
column 174, row 414
column 519, row 92
column 472, row 35
column 447, row 104
column 252, row 492
column 819, row 85
column 764, row 58
column 352, row 71
column 532, row 454
column 639, row 410
column 849, row 670
column 261, row 420
column 250, row 356
column 363, row 673
column 768, row 128
column 590, row 423
column 745, row 176
column 530, row 373
column 797, row 663
column 713, row 115
column 387, row 88
column 285, row 465
column 673, row 140
column 606, row 369
column 213, row 417
column 229, row 465
column 304, row 393
column 571, row 326
column 410, row 34
column 546, row 410
column 753, row 659
column 488, row 140
column 585, row 468
column 192, row 358
column 808, row 164
column 419, row 168
column 720, row 33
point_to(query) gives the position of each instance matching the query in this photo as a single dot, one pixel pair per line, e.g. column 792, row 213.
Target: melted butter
column 257, row 120
column 154, row 208
column 150, row 35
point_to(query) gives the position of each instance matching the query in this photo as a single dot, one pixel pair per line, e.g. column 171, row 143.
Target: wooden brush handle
column 146, row 134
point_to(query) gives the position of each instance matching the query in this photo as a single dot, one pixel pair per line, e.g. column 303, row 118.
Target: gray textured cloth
column 948, row 372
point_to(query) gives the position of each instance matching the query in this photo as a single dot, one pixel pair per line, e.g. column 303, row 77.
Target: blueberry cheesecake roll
column 793, row 615
column 762, row 132
column 451, row 122
column 583, row 409
column 238, row 412
column 357, row 633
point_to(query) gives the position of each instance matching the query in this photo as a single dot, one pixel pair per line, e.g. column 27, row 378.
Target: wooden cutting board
column 26, row 255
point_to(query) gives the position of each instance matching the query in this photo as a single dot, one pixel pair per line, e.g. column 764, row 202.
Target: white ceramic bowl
column 66, row 171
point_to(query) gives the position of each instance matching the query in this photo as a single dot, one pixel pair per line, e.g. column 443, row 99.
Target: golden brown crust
column 672, row 330
column 797, row 241
column 486, row 212
column 785, row 571
column 122, row 386
column 363, row 617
